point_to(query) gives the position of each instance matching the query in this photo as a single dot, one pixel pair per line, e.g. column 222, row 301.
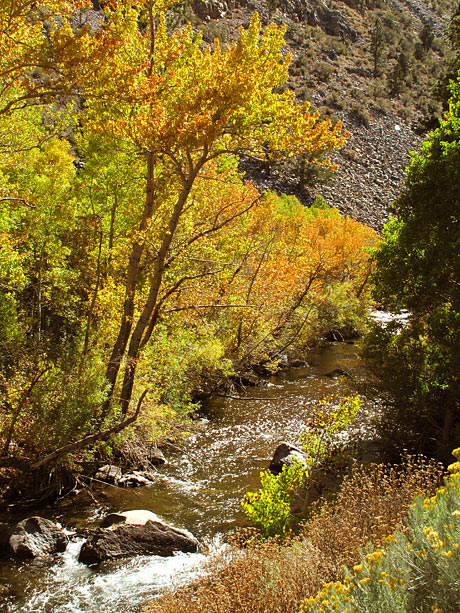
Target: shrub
column 417, row 570
column 270, row 507
column 360, row 113
column 320, row 202
column 323, row 71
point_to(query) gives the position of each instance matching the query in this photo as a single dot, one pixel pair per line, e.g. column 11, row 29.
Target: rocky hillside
column 369, row 63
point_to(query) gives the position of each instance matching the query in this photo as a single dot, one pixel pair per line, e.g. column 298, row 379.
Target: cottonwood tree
column 174, row 116
column 184, row 107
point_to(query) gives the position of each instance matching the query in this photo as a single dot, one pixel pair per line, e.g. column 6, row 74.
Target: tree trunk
column 137, row 340
column 126, row 324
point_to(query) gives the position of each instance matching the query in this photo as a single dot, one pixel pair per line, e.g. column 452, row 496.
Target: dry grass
column 276, row 578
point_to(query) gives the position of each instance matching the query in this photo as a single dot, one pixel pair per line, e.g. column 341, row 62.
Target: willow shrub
column 270, row 507
column 416, row 570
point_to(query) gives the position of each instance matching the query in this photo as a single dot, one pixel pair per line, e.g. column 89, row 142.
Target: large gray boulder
column 138, row 517
column 286, row 455
column 36, row 537
column 155, row 456
column 135, row 533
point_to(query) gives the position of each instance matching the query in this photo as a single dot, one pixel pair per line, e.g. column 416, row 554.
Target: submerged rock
column 133, row 533
column 336, row 373
column 286, row 455
column 36, row 537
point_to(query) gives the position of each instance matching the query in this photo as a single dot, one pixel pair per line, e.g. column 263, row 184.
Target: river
column 200, row 489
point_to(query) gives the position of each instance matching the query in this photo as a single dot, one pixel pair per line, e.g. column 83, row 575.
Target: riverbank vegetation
column 415, row 570
column 416, row 363
column 138, row 267
column 273, row 577
column 270, row 507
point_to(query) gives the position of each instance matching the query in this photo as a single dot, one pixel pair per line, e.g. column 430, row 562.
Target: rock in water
column 135, row 533
column 155, row 456
column 286, row 455
column 137, row 478
column 109, row 474
column 35, row 537
column 139, row 517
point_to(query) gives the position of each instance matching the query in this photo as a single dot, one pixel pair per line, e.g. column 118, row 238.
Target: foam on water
column 124, row 586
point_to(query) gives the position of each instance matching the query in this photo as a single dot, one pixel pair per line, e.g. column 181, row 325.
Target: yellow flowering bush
column 418, row 570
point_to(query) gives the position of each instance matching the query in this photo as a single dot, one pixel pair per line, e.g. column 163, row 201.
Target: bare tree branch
column 92, row 438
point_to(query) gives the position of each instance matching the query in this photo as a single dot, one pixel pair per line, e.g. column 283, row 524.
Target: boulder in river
column 298, row 364
column 109, row 474
column 286, row 455
column 155, row 456
column 136, row 478
column 138, row 516
column 37, row 537
column 337, row 373
column 133, row 533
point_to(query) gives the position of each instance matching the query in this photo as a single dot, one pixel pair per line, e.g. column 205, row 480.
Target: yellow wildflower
column 358, row 568
column 389, row 539
column 375, row 556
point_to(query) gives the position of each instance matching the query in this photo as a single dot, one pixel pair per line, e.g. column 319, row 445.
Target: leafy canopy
column 418, row 269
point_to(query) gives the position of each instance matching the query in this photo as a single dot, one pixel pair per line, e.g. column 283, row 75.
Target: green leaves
column 418, row 269
column 325, row 421
column 270, row 507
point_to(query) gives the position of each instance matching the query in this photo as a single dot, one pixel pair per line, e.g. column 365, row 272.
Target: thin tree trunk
column 113, row 211
column 157, row 278
column 91, row 308
column 126, row 324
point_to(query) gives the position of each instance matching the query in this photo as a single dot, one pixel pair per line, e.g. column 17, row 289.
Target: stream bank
column 200, row 489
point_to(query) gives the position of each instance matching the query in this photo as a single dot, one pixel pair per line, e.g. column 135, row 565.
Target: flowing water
column 200, row 489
